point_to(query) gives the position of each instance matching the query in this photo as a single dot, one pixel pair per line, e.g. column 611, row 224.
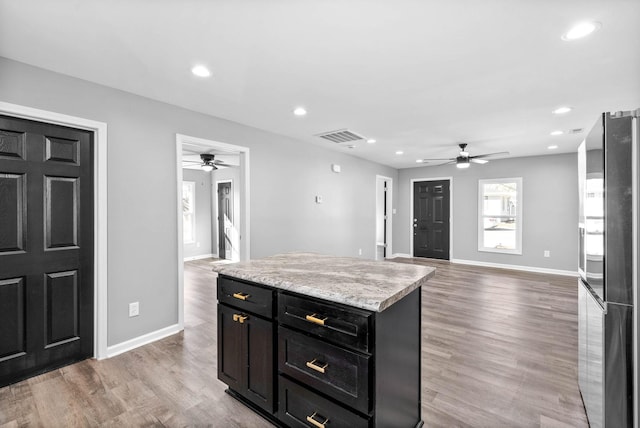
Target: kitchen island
column 310, row 340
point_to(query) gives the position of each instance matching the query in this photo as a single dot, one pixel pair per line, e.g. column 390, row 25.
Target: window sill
column 515, row 252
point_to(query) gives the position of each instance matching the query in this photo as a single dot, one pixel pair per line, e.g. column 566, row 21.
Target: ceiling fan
column 209, row 163
column 463, row 160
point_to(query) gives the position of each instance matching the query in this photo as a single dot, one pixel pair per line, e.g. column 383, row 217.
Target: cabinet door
column 232, row 357
column 259, row 381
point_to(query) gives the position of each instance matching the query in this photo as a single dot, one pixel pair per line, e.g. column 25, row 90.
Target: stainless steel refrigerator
column 607, row 290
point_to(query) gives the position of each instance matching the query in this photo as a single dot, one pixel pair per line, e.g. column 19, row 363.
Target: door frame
column 100, row 260
column 216, row 207
column 411, row 184
column 389, row 213
column 242, row 217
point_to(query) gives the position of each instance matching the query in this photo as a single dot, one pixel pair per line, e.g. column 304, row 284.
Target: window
column 500, row 215
column 189, row 211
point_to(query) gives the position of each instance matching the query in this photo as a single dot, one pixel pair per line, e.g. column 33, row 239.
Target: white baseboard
column 393, row 256
column 145, row 339
column 517, row 267
column 202, row 256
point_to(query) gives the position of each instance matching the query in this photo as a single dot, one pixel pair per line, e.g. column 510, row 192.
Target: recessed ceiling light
column 371, row 141
column 201, row 71
column 581, row 30
column 419, row 160
column 562, row 110
column 300, row 111
column 399, row 152
column 552, row 147
column 557, row 132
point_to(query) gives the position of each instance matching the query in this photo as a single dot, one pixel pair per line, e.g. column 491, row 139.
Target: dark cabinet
column 245, row 343
column 336, row 366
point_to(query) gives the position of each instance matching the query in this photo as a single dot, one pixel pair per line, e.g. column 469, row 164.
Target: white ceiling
column 417, row 76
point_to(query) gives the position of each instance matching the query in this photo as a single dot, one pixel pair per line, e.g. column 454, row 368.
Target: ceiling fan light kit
column 462, row 162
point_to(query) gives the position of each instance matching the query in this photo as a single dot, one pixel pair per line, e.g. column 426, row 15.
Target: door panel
column 62, row 150
column 431, row 219
column 12, row 144
column 46, row 247
column 13, row 211
column 61, row 214
column 12, row 315
column 61, row 307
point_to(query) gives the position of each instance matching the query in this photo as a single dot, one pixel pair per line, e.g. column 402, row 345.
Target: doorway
column 431, row 220
column 46, row 247
column 241, row 212
column 384, row 204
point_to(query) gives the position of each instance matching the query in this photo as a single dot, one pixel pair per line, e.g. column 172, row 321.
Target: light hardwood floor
column 499, row 350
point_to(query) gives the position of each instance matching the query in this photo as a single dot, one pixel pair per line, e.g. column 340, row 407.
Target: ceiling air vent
column 341, row 136
column 576, row 131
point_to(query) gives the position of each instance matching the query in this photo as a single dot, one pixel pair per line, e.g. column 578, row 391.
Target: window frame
column 192, row 211
column 518, row 216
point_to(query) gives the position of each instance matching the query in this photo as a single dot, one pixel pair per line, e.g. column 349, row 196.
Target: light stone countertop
column 366, row 284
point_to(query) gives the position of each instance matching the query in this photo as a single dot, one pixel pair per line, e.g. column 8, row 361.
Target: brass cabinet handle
column 240, row 318
column 319, row 368
column 241, row 296
column 314, row 319
column 311, row 419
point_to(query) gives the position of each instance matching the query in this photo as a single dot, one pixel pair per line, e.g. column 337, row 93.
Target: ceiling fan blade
column 480, row 161
column 437, row 160
column 190, row 161
column 225, row 164
column 488, row 154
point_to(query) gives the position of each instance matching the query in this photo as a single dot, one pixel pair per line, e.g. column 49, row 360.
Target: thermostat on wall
column 335, row 167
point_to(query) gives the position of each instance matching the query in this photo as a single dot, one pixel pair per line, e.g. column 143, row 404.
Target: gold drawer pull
column 240, row 318
column 311, row 419
column 241, row 296
column 314, row 319
column 313, row 365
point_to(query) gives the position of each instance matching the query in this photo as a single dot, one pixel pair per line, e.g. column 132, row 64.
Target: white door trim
column 242, row 217
column 414, row 180
column 389, row 237
column 100, row 283
column 226, row 180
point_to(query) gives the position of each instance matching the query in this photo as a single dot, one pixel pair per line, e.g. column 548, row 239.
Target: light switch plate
column 134, row 309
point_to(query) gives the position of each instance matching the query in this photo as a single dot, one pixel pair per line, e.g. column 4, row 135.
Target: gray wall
column 550, row 209
column 142, row 236
column 203, row 213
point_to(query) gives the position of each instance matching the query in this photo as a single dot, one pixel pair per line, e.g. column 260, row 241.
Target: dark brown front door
column 431, row 219
column 46, row 247
column 225, row 219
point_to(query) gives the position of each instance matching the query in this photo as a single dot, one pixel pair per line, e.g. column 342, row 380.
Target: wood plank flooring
column 499, row 350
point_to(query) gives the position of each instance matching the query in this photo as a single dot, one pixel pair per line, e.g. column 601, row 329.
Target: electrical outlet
column 197, row 245
column 359, row 251
column 547, row 253
column 134, row 309
column 318, row 199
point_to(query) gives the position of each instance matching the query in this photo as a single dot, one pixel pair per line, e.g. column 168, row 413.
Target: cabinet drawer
column 245, row 296
column 297, row 404
column 340, row 324
column 335, row 371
